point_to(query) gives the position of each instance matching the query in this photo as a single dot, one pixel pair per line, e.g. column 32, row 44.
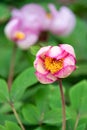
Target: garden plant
column 43, row 65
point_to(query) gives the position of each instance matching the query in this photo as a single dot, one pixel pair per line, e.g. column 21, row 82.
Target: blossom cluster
column 28, row 22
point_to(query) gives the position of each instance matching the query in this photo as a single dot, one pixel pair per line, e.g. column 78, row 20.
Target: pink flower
column 63, row 21
column 25, row 25
column 33, row 16
column 24, row 37
column 54, row 62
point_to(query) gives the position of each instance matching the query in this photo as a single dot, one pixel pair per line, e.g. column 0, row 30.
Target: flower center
column 19, row 35
column 53, row 65
column 48, row 15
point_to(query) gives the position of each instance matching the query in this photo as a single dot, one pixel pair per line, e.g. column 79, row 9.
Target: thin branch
column 11, row 69
column 77, row 121
column 17, row 116
column 63, row 105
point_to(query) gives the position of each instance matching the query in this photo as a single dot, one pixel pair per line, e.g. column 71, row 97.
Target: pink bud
column 54, row 62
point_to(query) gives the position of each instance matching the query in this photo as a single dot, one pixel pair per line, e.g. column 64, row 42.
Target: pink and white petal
column 68, row 48
column 28, row 41
column 65, row 72
column 43, row 79
column 11, row 27
column 39, row 66
column 50, row 76
column 43, row 50
column 69, row 60
column 52, row 9
column 33, row 8
column 16, row 13
column 54, row 52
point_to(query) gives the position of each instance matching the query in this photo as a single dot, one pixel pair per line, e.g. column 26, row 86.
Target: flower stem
column 16, row 115
column 10, row 79
column 11, row 69
column 77, row 121
column 63, row 105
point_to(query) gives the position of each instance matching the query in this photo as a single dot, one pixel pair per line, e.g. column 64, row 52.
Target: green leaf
column 4, row 93
column 47, row 128
column 5, row 108
column 53, row 117
column 81, row 127
column 54, row 97
column 78, row 97
column 31, row 114
column 41, row 98
column 4, row 117
column 11, row 126
column 81, row 70
column 34, row 49
column 22, row 82
column 5, row 54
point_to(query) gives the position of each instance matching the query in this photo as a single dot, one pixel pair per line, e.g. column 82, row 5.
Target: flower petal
column 39, row 66
column 11, row 27
column 68, row 48
column 43, row 50
column 50, row 76
column 43, row 79
column 66, row 71
column 28, row 41
column 69, row 60
column 52, row 9
column 54, row 52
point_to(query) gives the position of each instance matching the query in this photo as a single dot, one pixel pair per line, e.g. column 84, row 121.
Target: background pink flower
column 63, row 21
column 54, row 62
column 26, row 24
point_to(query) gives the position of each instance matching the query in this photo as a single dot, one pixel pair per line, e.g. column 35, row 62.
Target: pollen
column 53, row 65
column 49, row 16
column 19, row 35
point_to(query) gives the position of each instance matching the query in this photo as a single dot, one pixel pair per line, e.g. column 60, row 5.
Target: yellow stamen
column 53, row 65
column 49, row 16
column 19, row 35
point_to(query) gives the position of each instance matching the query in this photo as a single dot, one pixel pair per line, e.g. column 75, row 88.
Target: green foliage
column 10, row 126
column 4, row 94
column 78, row 97
column 39, row 106
column 31, row 114
column 22, row 82
column 4, row 13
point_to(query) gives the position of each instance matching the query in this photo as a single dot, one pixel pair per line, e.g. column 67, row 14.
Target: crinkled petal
column 49, row 75
column 43, row 78
column 65, row 72
column 39, row 66
column 69, row 60
column 54, row 52
column 43, row 51
column 68, row 48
